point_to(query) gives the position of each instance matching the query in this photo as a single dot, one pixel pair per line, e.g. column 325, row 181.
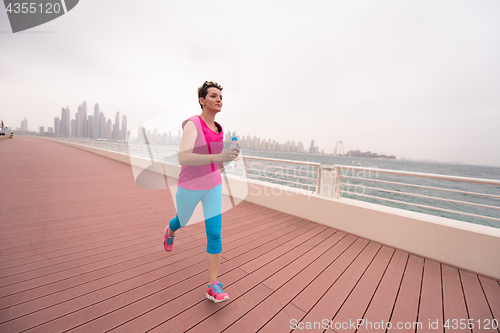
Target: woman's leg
column 213, row 261
column 173, row 226
column 186, row 200
column 212, row 210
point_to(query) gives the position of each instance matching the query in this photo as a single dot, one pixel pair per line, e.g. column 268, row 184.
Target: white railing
column 287, row 172
column 308, row 174
column 155, row 153
column 339, row 190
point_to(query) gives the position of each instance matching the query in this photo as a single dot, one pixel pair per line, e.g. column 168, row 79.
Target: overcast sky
column 417, row 79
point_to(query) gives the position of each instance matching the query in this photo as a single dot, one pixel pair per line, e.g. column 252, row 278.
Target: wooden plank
column 491, row 289
column 270, row 310
column 327, row 240
column 430, row 312
column 453, row 300
column 317, row 288
column 477, row 306
column 357, row 302
column 380, row 308
column 330, row 302
column 285, row 320
column 404, row 315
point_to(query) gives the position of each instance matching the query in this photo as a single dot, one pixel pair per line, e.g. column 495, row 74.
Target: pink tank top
column 202, row 177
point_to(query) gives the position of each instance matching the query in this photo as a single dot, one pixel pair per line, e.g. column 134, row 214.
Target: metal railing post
column 318, row 178
column 244, row 168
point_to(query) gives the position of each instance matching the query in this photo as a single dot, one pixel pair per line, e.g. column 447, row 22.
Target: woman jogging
column 201, row 157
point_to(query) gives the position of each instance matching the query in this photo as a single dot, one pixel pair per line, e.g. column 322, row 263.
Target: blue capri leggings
column 187, row 200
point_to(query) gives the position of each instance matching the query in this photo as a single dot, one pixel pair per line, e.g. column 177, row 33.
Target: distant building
column 91, row 128
column 311, row 148
column 85, row 126
column 73, row 127
column 65, row 129
column 103, row 130
column 57, row 126
column 24, row 125
column 78, row 122
column 368, row 154
column 124, row 128
column 116, row 127
column 109, row 130
column 300, row 147
column 97, row 122
column 41, row 130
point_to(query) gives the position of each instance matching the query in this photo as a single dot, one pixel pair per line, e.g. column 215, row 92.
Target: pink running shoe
column 168, row 241
column 215, row 292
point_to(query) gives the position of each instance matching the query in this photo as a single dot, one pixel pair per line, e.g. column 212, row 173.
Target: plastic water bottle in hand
column 234, row 144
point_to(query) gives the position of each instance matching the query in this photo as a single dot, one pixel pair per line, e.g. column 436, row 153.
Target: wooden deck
column 81, row 251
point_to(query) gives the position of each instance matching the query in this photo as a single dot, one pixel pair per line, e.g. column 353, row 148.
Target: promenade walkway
column 81, row 251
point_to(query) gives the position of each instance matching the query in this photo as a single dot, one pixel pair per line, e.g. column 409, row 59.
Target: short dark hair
column 203, row 89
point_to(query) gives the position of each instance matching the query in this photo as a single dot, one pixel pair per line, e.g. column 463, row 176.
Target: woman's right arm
column 186, row 155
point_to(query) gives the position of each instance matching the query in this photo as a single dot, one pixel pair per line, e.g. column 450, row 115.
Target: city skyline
column 82, row 126
column 156, row 137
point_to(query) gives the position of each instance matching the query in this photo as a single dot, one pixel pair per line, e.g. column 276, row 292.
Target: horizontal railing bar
column 424, row 175
column 424, row 206
column 279, row 167
column 280, row 180
column 281, row 161
column 274, row 173
column 426, row 187
column 426, row 196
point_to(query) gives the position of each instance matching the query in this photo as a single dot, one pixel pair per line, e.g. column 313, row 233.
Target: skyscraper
column 57, row 126
column 116, row 127
column 103, row 132
column 300, row 147
column 65, row 122
column 109, row 130
column 78, row 122
column 124, row 128
column 311, row 149
column 85, row 127
column 24, row 124
column 91, row 129
column 97, row 123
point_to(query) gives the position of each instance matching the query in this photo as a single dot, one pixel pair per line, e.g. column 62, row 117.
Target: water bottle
column 234, row 144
